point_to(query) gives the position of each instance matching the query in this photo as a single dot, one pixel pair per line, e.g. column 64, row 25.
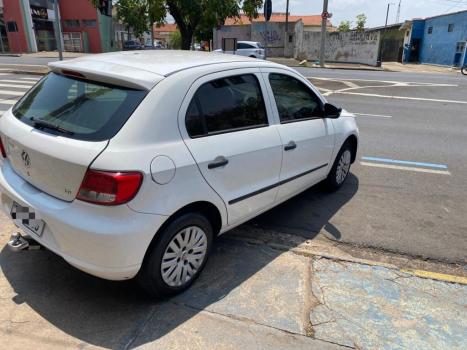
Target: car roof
column 144, row 69
column 248, row 42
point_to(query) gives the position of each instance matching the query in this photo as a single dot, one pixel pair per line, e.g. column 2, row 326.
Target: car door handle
column 290, row 146
column 218, row 162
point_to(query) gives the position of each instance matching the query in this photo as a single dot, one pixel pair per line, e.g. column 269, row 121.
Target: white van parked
column 128, row 164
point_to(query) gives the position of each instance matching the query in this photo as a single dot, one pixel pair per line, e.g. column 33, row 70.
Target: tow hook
column 18, row 243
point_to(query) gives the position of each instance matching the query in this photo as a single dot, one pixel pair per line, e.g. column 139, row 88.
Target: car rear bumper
column 108, row 242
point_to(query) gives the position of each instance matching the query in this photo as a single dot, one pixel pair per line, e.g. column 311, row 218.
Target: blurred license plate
column 26, row 217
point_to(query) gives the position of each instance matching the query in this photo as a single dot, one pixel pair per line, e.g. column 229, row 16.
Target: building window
column 89, row 22
column 11, row 26
column 71, row 23
column 290, row 38
column 451, row 27
column 430, row 30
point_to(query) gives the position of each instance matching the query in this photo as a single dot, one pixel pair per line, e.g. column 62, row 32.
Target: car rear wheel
column 177, row 257
column 340, row 169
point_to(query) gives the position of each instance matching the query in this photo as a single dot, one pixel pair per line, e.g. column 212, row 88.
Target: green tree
column 175, row 40
column 361, row 21
column 199, row 16
column 134, row 14
column 344, row 26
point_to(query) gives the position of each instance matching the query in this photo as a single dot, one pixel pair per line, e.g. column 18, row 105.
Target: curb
column 436, row 276
column 350, row 259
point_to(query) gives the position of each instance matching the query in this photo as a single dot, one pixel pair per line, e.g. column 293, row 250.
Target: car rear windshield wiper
column 40, row 124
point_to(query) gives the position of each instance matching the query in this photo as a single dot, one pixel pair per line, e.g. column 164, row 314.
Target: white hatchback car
column 251, row 49
column 129, row 164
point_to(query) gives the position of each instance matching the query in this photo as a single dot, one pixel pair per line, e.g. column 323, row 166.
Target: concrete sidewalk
column 386, row 66
column 267, row 292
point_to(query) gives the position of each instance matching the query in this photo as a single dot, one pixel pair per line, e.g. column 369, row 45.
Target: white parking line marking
column 34, row 79
column 372, row 115
column 399, row 97
column 406, row 168
column 22, row 82
column 350, row 84
column 16, row 86
column 403, row 83
column 8, row 102
column 10, row 92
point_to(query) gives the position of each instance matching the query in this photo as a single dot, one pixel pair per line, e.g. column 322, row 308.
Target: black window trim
column 226, row 131
column 321, row 103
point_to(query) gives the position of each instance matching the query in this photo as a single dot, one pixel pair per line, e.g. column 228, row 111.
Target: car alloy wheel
column 343, row 166
column 184, row 256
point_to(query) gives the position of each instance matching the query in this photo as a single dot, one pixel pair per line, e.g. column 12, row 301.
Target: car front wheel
column 340, row 169
column 177, row 257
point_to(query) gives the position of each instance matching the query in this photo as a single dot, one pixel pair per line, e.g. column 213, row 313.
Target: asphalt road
column 384, row 205
column 412, row 209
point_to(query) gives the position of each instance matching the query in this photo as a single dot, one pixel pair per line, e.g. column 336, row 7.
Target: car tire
column 192, row 234
column 340, row 169
column 253, row 56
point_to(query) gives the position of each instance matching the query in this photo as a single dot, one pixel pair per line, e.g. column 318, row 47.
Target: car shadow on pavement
column 238, row 280
column 309, row 212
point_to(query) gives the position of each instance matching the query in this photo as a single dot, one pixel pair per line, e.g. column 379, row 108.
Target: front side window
column 295, row 101
column 225, row 105
column 77, row 108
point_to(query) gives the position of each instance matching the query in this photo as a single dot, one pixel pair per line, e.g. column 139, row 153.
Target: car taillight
column 2, row 148
column 109, row 188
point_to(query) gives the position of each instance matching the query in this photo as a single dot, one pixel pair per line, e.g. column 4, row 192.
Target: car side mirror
column 331, row 111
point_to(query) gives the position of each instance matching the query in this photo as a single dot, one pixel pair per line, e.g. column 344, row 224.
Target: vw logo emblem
column 26, row 159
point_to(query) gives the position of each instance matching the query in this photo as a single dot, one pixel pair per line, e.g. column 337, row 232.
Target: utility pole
column 387, row 14
column 1, row 42
column 382, row 36
column 58, row 31
column 324, row 19
column 398, row 12
column 287, row 17
column 267, row 17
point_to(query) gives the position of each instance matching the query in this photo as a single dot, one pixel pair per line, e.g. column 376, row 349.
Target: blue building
column 439, row 40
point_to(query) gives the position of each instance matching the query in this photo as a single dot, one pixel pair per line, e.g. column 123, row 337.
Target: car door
column 244, row 49
column 308, row 138
column 225, row 125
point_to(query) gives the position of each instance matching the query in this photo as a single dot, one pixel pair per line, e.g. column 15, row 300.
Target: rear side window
column 226, row 105
column 295, row 101
column 77, row 108
column 244, row 46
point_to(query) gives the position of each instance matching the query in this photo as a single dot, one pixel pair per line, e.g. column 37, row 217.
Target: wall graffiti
column 270, row 36
column 351, row 47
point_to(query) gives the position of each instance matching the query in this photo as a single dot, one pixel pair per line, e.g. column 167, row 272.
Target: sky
column 375, row 10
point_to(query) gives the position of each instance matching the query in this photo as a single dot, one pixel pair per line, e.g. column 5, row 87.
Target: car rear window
column 77, row 108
